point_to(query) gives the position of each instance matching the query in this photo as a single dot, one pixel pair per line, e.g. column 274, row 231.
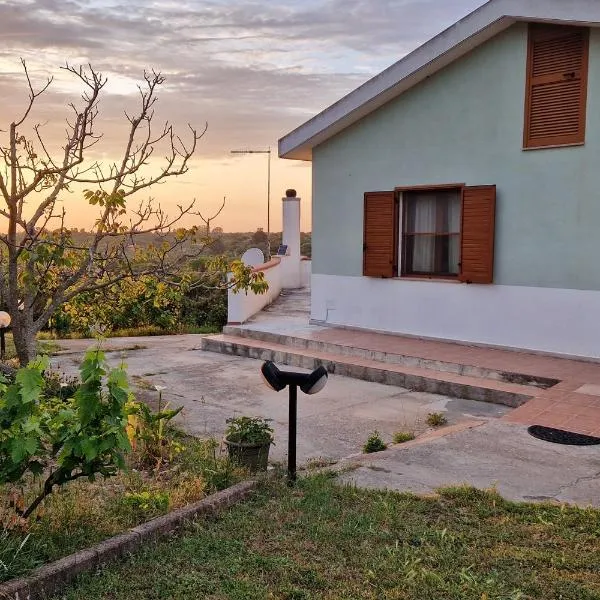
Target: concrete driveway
column 477, row 449
column 213, row 387
column 494, row 454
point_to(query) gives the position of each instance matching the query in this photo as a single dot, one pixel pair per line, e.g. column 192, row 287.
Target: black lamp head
column 309, row 383
column 315, row 381
column 272, row 376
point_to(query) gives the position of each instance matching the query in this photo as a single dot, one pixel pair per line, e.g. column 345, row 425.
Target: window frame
column 401, row 273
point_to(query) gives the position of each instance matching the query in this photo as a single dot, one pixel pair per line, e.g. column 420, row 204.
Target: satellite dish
column 253, row 257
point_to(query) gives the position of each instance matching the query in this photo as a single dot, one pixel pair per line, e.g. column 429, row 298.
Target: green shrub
column 249, row 430
column 403, row 436
column 374, row 443
column 126, row 304
column 156, row 446
column 146, row 504
column 63, row 439
column 436, row 420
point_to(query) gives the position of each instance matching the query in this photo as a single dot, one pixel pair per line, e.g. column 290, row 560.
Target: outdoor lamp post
column 268, row 153
column 309, row 383
column 4, row 323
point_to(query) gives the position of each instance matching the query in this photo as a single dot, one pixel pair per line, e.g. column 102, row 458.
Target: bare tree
column 209, row 220
column 41, row 263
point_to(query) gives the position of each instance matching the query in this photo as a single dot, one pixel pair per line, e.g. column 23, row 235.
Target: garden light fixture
column 309, row 383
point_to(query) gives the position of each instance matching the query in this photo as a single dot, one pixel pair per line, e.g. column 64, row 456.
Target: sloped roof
column 456, row 41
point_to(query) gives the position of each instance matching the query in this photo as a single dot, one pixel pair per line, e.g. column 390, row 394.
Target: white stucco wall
column 465, row 124
column 555, row 321
column 245, row 304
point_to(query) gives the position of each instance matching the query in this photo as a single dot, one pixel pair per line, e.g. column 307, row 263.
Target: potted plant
column 248, row 440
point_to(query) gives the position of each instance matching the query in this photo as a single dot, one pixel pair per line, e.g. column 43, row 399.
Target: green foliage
column 155, row 447
column 259, row 236
column 63, row 438
column 436, row 420
column 249, row 430
column 203, row 458
column 403, row 436
column 85, row 512
column 126, row 304
column 205, row 306
column 147, row 503
column 198, row 300
column 59, row 386
column 374, row 443
column 13, row 551
column 242, row 277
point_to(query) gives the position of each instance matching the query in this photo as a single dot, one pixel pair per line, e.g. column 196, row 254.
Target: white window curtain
column 425, row 217
column 454, row 222
column 432, row 213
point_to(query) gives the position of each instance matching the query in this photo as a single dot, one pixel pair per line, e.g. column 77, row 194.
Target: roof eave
column 450, row 45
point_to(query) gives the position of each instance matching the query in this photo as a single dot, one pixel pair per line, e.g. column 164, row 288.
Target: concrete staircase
column 300, row 349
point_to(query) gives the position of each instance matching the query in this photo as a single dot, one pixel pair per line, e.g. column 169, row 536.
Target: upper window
column 557, row 73
column 431, row 232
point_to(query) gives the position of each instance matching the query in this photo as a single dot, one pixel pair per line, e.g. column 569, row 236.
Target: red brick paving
column 560, row 406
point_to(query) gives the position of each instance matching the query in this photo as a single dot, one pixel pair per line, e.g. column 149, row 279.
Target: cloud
column 252, row 69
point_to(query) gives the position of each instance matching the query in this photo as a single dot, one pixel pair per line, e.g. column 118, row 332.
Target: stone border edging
column 48, row 579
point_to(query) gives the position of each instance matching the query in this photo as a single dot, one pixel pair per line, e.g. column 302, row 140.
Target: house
column 456, row 195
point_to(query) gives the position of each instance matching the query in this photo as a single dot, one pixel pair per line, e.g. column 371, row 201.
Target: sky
column 252, row 71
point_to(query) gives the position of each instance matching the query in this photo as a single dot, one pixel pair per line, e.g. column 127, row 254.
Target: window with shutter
column 557, row 73
column 477, row 234
column 447, row 232
column 431, row 232
column 380, row 242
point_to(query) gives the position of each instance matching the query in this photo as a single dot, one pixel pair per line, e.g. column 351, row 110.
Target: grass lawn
column 320, row 540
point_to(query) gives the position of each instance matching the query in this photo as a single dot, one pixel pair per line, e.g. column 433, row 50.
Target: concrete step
column 306, row 343
column 414, row 378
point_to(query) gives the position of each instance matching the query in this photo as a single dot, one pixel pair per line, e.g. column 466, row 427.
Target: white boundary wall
column 243, row 305
column 305, row 272
column 554, row 321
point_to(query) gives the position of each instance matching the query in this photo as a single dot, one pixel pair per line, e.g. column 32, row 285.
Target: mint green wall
column 465, row 124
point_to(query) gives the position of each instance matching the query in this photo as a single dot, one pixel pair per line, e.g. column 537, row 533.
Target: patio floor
column 573, row 404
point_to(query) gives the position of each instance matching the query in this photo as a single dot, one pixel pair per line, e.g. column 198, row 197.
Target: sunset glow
column 252, row 71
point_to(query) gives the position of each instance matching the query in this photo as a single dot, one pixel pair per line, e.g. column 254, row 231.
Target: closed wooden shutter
column 380, row 242
column 477, row 234
column 557, row 73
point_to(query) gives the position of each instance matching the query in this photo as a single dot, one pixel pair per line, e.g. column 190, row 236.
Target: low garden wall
column 243, row 305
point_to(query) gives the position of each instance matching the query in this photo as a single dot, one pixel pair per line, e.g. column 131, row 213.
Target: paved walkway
column 480, row 447
column 573, row 404
column 494, row 454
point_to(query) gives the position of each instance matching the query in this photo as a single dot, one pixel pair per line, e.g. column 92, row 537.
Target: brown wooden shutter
column 380, row 242
column 477, row 234
column 557, row 74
